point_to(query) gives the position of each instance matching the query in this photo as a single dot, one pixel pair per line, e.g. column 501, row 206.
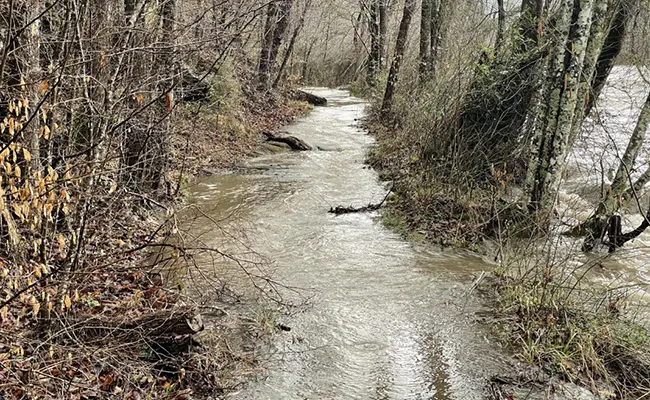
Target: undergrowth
column 552, row 316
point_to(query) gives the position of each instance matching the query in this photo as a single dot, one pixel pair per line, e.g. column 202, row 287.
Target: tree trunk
column 425, row 39
column 441, row 13
column 375, row 50
column 264, row 68
column 530, row 25
column 552, row 131
column 400, row 47
column 292, row 43
column 383, row 32
column 280, row 29
column 33, row 75
column 611, row 49
column 129, row 9
column 599, row 29
column 501, row 21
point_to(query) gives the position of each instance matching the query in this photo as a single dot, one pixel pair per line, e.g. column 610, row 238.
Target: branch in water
column 338, row 210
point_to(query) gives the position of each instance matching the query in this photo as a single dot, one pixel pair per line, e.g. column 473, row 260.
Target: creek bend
column 386, row 319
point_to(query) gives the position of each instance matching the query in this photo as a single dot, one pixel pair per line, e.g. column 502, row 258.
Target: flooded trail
column 385, row 319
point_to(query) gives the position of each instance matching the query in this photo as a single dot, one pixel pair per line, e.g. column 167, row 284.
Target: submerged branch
column 339, row 210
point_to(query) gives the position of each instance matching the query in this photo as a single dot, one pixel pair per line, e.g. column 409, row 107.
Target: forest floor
column 121, row 328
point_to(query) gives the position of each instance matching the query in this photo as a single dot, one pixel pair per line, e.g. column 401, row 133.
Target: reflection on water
column 385, row 320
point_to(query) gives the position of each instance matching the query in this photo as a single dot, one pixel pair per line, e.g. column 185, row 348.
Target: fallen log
column 310, row 98
column 160, row 325
column 166, row 323
column 339, row 210
column 291, row 141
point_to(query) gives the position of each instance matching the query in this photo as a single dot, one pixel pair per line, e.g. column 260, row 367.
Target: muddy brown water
column 381, row 318
column 376, row 317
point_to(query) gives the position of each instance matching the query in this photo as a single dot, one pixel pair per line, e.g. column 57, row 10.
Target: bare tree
column 400, row 48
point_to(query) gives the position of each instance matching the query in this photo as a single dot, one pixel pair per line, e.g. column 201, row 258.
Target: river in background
column 592, row 166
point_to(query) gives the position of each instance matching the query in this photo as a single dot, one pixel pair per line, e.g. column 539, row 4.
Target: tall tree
column 400, row 48
column 264, row 68
column 610, row 50
column 374, row 58
column 383, row 31
column 553, row 127
column 292, row 42
column 501, row 22
column 425, row 38
column 279, row 33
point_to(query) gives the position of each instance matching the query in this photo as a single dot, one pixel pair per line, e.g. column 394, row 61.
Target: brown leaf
column 44, row 86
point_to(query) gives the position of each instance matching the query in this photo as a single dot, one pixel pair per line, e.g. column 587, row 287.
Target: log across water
column 310, row 98
column 291, row 141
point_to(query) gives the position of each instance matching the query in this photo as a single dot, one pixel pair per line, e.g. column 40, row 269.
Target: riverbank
column 115, row 323
column 549, row 312
column 208, row 141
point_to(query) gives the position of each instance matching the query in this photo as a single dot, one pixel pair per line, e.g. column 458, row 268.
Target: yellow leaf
column 43, row 87
column 27, row 154
column 67, row 302
column 76, row 296
column 18, row 211
column 61, row 241
column 36, row 306
column 51, row 352
column 17, row 172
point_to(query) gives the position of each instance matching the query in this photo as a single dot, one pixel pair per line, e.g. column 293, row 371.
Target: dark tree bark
column 375, row 49
column 611, row 49
column 129, row 9
column 425, row 39
column 284, row 17
column 383, row 32
column 501, row 21
column 441, row 11
column 400, row 47
column 292, row 43
column 530, row 24
column 264, row 68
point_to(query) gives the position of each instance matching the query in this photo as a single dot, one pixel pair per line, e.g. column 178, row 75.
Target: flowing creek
column 375, row 317
column 384, row 319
